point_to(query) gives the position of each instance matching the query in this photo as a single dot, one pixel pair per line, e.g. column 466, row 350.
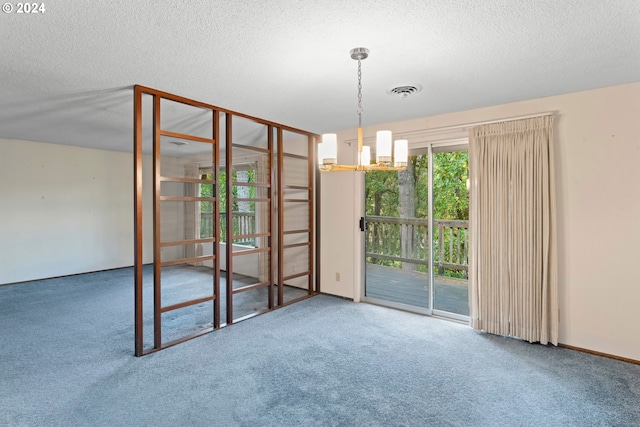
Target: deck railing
column 243, row 223
column 407, row 240
column 387, row 238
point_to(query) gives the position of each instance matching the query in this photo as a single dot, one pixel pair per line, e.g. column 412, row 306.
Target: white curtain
column 512, row 261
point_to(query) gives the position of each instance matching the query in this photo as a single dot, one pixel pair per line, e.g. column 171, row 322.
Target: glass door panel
column 245, row 226
column 184, row 259
column 295, row 218
column 397, row 236
column 450, row 229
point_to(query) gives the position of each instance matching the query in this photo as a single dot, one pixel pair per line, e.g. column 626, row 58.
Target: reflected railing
column 243, row 223
column 387, row 239
column 391, row 241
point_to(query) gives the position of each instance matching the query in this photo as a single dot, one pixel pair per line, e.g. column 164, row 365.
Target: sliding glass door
column 449, row 238
column 396, row 228
column 415, row 232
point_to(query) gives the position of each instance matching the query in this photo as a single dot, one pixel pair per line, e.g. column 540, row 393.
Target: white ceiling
column 66, row 74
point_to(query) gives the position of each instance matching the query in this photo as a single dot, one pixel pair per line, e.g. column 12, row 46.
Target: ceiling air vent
column 404, row 91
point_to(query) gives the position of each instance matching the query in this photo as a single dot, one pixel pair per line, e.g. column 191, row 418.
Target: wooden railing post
column 384, row 234
column 243, row 223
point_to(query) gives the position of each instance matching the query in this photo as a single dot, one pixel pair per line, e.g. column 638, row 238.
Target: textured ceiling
column 66, row 74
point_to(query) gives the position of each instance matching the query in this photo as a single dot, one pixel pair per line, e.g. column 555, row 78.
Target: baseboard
column 335, row 296
column 599, row 353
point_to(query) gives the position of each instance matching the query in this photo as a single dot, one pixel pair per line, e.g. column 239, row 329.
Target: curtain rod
column 469, row 125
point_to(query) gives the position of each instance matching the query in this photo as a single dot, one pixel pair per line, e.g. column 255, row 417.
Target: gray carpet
column 183, row 283
column 66, row 359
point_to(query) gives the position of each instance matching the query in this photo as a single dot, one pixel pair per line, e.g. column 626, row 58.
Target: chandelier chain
column 359, row 94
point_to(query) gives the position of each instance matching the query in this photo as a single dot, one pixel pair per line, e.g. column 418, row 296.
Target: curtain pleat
column 513, row 285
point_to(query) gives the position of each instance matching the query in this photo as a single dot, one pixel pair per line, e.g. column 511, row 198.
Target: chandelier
column 328, row 148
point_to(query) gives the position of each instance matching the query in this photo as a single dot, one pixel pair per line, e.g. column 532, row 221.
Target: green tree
column 450, row 198
column 207, row 190
column 383, row 190
column 405, row 194
column 382, row 193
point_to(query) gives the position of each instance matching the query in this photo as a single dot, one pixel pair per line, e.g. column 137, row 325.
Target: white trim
column 447, row 315
column 488, row 122
column 397, row 306
column 416, row 137
column 431, row 287
column 424, row 145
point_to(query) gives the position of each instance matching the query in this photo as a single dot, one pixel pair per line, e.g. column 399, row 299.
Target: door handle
column 363, row 224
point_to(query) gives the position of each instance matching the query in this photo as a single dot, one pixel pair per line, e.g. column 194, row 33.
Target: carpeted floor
column 66, row 359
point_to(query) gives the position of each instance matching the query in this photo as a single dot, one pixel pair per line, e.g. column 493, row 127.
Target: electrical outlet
column 337, row 277
column 295, row 268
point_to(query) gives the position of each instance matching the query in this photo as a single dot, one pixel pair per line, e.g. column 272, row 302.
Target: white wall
column 247, row 265
column 68, row 210
column 63, row 210
column 597, row 154
column 340, row 211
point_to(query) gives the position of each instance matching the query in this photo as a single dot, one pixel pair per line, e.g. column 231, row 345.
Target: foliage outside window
column 243, row 212
column 404, row 194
